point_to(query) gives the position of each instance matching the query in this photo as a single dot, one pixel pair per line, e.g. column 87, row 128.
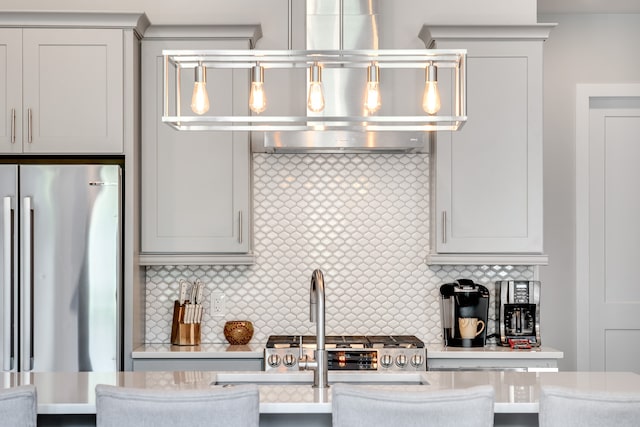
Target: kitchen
column 559, row 295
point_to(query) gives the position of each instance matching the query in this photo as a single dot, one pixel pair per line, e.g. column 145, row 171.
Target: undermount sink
column 306, row 377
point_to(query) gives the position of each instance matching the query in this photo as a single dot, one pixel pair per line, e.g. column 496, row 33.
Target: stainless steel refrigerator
column 61, row 267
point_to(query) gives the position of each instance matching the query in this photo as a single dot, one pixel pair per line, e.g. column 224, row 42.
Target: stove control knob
column 289, row 360
column 386, row 360
column 417, row 360
column 401, row 360
column 273, row 360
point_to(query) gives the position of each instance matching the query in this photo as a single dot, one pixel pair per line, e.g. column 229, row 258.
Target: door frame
column 584, row 94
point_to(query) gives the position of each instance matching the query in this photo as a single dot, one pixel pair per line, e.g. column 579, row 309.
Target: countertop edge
column 203, row 351
column 438, row 351
column 256, row 351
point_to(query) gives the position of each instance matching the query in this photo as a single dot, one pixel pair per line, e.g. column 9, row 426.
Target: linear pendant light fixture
column 260, row 62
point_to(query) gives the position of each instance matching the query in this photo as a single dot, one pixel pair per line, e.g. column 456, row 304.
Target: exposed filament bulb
column 200, row 98
column 258, row 97
column 372, row 100
column 431, row 96
column 315, row 100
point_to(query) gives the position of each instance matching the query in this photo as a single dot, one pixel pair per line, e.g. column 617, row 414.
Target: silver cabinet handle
column 444, row 226
column 29, row 126
column 240, row 227
column 27, row 284
column 7, row 283
column 13, row 125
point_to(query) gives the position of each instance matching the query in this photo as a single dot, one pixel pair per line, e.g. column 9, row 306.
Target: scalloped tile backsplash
column 362, row 219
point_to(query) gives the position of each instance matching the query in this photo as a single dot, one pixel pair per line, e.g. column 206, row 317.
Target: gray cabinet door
column 488, row 176
column 195, row 184
column 10, row 90
column 72, row 90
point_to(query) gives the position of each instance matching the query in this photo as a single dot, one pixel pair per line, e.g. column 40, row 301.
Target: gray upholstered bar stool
column 18, row 406
column 564, row 407
column 357, row 405
column 236, row 406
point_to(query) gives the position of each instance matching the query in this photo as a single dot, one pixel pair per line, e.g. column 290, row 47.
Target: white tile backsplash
column 362, row 219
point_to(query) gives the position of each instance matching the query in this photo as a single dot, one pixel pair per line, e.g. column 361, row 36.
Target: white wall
column 582, row 49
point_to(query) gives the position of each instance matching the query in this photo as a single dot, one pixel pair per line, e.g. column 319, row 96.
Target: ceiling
column 588, row 6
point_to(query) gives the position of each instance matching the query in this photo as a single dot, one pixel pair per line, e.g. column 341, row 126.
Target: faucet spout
column 317, row 314
column 316, row 306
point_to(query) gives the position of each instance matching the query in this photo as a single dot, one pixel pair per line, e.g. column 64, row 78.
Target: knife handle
column 183, row 291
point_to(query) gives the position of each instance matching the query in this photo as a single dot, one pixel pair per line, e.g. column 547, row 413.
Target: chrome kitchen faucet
column 317, row 314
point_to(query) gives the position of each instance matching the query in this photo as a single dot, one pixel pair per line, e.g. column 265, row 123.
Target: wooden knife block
column 183, row 333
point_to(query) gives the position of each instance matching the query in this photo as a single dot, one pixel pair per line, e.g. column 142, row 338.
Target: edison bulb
column 315, row 100
column 372, row 98
column 431, row 96
column 316, row 97
column 257, row 97
column 200, row 98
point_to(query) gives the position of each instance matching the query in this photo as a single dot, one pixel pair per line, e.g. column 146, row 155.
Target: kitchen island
column 288, row 399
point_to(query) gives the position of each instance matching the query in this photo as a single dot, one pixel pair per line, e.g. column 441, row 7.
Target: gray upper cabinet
column 195, row 184
column 487, row 177
column 61, row 90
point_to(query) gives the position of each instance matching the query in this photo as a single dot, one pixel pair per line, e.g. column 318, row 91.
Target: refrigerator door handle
column 7, row 283
column 27, row 286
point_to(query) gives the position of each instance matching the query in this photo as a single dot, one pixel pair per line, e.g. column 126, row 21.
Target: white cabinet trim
column 137, row 21
column 486, row 259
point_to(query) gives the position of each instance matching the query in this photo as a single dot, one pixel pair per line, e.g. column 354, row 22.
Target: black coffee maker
column 518, row 312
column 464, row 310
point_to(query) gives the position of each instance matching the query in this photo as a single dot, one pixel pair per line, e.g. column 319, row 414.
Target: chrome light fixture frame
column 246, row 59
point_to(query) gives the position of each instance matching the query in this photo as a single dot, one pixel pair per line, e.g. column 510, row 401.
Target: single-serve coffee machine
column 518, row 311
column 464, row 309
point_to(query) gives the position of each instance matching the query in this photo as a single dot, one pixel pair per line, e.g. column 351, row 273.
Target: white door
column 608, row 227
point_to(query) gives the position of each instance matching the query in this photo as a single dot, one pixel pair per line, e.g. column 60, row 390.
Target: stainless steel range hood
column 344, row 25
column 346, row 142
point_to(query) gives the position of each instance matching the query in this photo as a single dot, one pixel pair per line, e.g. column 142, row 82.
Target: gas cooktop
column 346, row 341
column 348, row 352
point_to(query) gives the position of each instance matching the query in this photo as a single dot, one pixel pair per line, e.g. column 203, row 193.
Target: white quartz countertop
column 202, row 351
column 516, row 392
column 256, row 350
column 439, row 351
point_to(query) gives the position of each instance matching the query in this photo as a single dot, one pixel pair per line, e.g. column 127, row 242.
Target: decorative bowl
column 238, row 332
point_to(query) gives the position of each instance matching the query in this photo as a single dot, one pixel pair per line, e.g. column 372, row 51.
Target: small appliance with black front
column 464, row 310
column 518, row 312
column 348, row 353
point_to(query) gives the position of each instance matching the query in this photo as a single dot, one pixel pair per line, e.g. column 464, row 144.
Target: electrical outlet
column 218, row 303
